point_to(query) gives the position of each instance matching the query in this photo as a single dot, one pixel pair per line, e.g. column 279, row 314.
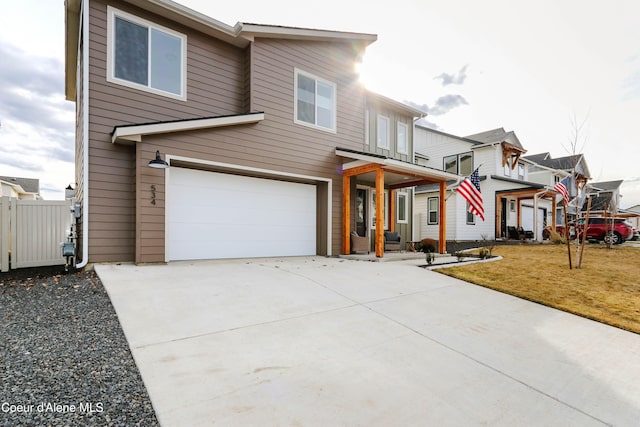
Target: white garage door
column 217, row 215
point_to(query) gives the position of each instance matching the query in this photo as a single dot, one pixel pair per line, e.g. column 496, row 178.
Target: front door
column 361, row 212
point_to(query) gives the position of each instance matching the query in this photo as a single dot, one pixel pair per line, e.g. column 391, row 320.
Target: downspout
column 85, row 134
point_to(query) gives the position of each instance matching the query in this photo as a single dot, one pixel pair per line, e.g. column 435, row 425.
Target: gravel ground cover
column 64, row 360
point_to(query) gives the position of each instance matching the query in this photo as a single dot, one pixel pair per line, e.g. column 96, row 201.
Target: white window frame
column 387, row 142
column 436, row 210
column 521, row 168
column 507, row 168
column 317, row 79
column 458, row 161
column 400, row 148
column 366, row 127
column 402, row 199
column 470, row 218
column 112, row 14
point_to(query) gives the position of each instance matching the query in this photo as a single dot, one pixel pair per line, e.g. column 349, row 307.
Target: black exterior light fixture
column 158, row 163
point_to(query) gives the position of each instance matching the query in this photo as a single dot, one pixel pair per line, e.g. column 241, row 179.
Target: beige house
column 269, row 138
column 20, row 188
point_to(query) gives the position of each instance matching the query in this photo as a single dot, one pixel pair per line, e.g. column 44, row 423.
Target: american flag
column 470, row 190
column 561, row 188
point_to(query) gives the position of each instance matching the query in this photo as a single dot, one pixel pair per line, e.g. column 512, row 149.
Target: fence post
column 4, row 234
column 14, row 233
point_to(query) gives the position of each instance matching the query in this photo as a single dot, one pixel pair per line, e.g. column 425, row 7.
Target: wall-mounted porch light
column 158, row 163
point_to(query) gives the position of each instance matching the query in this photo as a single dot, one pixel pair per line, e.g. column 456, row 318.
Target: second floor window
column 521, row 171
column 145, row 56
column 383, row 132
column 403, row 138
column 315, row 101
column 461, row 164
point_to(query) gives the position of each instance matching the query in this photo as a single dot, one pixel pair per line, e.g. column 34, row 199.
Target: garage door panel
column 215, row 215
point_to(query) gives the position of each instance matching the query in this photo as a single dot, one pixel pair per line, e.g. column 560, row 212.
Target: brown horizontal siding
column 215, row 86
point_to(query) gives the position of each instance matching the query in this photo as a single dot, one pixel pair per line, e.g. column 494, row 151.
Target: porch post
column 346, row 215
column 498, row 217
column 442, row 232
column 379, row 212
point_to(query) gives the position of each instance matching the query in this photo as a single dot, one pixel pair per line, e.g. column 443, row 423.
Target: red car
column 610, row 230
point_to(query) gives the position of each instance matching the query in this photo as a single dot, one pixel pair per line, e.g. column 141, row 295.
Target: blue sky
column 530, row 67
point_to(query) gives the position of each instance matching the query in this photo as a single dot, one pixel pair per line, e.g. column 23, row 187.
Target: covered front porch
column 518, row 196
column 391, row 175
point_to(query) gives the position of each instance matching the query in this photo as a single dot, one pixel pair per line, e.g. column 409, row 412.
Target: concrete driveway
column 331, row 342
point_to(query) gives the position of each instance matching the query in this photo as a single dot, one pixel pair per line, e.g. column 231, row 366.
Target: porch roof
column 134, row 132
column 397, row 172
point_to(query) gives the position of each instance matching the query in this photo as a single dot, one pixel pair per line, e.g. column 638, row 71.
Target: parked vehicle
column 610, row 230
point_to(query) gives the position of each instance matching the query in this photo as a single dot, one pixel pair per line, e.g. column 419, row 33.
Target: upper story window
column 461, row 164
column 383, row 132
column 403, row 138
column 315, row 101
column 507, row 168
column 145, row 56
column 521, row 171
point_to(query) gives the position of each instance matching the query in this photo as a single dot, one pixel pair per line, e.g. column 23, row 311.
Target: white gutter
column 85, row 133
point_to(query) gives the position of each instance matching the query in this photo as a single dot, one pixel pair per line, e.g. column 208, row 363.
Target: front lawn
column 606, row 289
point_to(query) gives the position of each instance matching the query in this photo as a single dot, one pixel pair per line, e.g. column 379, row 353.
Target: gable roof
column 606, row 185
column 28, row 185
column 240, row 35
column 495, row 136
column 566, row 163
column 539, row 158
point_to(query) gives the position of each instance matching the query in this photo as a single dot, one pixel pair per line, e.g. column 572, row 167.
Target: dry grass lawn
column 606, row 289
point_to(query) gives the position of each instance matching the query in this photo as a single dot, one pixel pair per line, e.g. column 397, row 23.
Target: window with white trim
column 471, row 218
column 521, row 171
column 383, row 132
column 402, row 203
column 433, row 210
column 461, row 164
column 366, row 127
column 402, row 138
column 145, row 56
column 315, row 104
column 507, row 168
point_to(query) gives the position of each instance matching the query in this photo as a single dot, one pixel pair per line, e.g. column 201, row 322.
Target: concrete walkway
column 333, row 342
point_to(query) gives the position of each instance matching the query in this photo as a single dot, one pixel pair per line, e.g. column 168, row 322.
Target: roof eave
column 250, row 31
column 133, row 133
column 72, row 29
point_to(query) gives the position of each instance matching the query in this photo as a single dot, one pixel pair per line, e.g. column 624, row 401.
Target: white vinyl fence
column 31, row 232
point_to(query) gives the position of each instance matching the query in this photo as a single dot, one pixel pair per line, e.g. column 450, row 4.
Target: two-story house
column 261, row 132
column 549, row 171
column 511, row 199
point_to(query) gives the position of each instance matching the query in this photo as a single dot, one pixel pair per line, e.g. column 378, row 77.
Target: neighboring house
column 633, row 216
column 20, row 188
column 510, row 196
column 549, row 171
column 274, row 147
column 605, row 200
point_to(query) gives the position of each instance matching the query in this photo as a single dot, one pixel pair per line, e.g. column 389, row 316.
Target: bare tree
column 575, row 144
